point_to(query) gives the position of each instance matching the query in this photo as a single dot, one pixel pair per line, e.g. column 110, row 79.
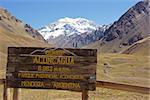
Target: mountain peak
column 68, row 19
column 124, row 34
column 68, row 26
column 72, row 30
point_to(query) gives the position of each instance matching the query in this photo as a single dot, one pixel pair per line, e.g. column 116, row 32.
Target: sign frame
column 62, row 68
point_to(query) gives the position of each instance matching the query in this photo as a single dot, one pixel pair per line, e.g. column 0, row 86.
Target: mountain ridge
column 15, row 33
column 69, row 32
column 7, row 21
column 130, row 28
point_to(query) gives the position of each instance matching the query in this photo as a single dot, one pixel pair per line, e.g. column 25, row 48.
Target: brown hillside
column 13, row 33
column 141, row 47
column 131, row 27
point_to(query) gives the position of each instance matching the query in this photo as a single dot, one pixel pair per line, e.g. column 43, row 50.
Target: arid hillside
column 123, row 56
column 131, row 27
column 141, row 47
column 14, row 32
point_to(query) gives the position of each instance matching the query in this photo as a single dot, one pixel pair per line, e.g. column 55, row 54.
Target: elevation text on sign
column 51, row 68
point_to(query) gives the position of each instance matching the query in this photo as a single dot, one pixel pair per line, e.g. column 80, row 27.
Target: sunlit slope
column 99, row 94
column 118, row 68
column 124, row 68
column 141, row 47
column 8, row 39
column 14, row 33
column 128, row 30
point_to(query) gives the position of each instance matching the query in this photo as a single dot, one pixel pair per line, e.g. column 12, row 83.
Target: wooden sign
column 51, row 68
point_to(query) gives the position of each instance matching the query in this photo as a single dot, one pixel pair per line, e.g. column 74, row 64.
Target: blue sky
column 38, row 13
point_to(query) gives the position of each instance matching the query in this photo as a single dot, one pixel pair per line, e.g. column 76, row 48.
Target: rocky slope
column 15, row 25
column 69, row 32
column 141, row 47
column 13, row 32
column 131, row 27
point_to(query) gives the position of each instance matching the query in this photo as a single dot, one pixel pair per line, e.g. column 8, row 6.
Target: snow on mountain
column 67, row 30
column 67, row 26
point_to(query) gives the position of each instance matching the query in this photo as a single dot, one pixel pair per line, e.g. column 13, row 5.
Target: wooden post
column 15, row 94
column 5, row 91
column 85, row 95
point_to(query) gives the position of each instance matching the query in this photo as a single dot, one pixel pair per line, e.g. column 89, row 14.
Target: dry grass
column 123, row 68
column 128, row 69
column 9, row 39
column 99, row 94
column 139, row 48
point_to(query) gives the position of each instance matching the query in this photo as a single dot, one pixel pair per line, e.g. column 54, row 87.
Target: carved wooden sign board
column 51, row 68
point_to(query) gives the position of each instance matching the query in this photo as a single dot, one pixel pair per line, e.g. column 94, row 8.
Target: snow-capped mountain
column 69, row 32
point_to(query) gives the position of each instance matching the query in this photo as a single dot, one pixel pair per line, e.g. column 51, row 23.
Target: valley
column 123, row 50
